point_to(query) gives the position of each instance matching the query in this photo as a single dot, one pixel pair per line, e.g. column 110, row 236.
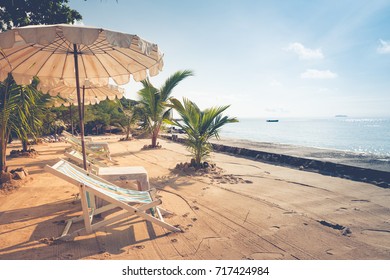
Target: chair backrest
column 67, row 134
column 77, row 176
column 99, row 149
column 93, row 163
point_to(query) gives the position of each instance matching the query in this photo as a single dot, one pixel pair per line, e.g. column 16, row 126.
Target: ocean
column 370, row 136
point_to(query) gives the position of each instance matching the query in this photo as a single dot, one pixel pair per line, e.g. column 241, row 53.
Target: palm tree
column 199, row 126
column 130, row 114
column 15, row 107
column 36, row 108
column 154, row 100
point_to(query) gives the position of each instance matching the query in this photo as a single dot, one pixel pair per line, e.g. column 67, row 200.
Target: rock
column 19, row 175
column 346, row 231
column 383, row 184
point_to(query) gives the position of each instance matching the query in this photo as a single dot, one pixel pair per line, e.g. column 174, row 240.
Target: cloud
column 384, row 47
column 318, row 74
column 305, row 53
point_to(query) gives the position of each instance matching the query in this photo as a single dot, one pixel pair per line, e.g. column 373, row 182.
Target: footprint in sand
column 275, row 228
column 329, row 252
column 138, row 247
column 339, row 251
column 266, row 256
column 67, row 256
column 376, row 232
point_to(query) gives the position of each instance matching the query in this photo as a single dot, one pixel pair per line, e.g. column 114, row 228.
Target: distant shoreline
column 363, row 160
column 358, row 167
column 356, row 135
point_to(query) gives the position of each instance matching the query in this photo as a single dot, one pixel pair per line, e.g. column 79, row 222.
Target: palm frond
column 172, row 82
column 200, row 126
column 154, row 101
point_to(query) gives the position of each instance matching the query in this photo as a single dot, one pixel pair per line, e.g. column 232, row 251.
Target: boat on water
column 272, row 120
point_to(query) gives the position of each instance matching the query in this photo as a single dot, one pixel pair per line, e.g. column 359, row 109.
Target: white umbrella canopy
column 74, row 56
column 47, row 51
column 92, row 94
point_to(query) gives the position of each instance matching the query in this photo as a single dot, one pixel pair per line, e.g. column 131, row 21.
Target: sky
column 266, row 59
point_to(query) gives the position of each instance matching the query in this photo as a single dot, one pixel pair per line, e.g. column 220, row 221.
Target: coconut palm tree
column 153, row 101
column 36, row 106
column 199, row 126
column 130, row 110
column 15, row 104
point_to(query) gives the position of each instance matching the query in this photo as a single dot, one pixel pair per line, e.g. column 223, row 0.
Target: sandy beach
column 252, row 210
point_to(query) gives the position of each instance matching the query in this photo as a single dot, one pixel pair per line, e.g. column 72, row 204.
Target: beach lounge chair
column 113, row 173
column 130, row 203
column 93, row 149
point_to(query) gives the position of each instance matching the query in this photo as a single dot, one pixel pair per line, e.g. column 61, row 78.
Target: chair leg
column 84, row 204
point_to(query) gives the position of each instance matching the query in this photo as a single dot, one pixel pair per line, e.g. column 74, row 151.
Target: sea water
column 361, row 135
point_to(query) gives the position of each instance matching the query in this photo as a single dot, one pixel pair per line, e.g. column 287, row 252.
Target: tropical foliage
column 199, row 126
column 16, row 114
column 153, row 101
column 131, row 114
column 24, row 12
column 99, row 118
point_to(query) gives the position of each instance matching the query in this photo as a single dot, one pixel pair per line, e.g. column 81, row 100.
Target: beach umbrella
column 91, row 94
column 76, row 56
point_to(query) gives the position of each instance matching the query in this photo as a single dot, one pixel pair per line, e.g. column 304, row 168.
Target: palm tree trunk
column 154, row 136
column 154, row 140
column 127, row 133
column 24, row 145
column 198, row 156
column 3, row 152
column 3, row 135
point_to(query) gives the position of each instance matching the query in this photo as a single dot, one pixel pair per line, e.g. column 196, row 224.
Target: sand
column 252, row 210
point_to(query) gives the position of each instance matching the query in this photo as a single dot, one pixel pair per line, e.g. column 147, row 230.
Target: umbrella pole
column 71, row 118
column 83, row 109
column 76, row 66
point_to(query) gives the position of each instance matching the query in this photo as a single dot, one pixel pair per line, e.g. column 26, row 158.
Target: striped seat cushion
column 107, row 188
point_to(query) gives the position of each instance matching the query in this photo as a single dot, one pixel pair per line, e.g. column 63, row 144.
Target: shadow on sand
column 40, row 245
